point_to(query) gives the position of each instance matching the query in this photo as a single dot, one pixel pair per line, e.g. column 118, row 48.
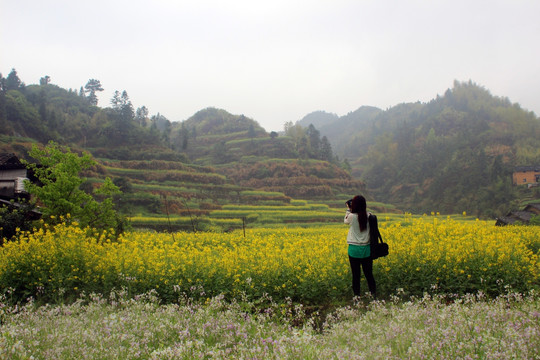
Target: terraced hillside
column 292, row 164
column 170, row 196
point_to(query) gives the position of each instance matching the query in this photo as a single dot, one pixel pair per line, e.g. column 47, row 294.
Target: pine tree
column 45, row 80
column 12, row 81
column 91, row 87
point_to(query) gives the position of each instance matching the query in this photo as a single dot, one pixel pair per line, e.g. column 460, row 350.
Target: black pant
column 367, row 267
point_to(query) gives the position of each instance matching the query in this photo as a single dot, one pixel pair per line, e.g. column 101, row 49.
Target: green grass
column 260, row 208
column 215, row 137
column 298, row 213
column 261, row 193
column 185, row 223
column 171, row 175
column 248, row 141
column 168, row 188
column 406, row 219
column 16, row 139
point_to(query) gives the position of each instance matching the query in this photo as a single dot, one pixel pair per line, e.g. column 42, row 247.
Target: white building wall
column 12, row 174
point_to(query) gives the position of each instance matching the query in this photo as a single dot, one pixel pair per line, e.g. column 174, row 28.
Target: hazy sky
column 275, row 60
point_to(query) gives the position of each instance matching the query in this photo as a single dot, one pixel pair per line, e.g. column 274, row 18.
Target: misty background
column 275, row 61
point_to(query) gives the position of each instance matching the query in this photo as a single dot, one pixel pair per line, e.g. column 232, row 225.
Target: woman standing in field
column 359, row 244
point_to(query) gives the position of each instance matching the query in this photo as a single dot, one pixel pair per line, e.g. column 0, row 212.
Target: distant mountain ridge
column 337, row 128
column 455, row 153
column 320, row 119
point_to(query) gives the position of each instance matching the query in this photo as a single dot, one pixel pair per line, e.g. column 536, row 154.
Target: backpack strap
column 375, row 234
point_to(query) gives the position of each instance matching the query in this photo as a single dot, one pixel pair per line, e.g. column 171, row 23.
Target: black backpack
column 378, row 247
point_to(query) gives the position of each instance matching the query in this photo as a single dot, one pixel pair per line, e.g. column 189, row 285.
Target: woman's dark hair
column 359, row 207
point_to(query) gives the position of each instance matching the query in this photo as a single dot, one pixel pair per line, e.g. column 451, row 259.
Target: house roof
column 523, row 216
column 514, row 217
column 535, row 168
column 10, row 161
column 535, row 208
column 6, row 158
column 506, row 220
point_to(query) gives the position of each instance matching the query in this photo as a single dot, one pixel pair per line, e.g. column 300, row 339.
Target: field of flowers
column 120, row 327
column 427, row 254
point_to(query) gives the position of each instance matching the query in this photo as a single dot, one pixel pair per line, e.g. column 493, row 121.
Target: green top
column 359, row 251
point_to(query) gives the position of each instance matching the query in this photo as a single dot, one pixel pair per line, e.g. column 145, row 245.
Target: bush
column 59, row 189
column 535, row 220
column 14, row 219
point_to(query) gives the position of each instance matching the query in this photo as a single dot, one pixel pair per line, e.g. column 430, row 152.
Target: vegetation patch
column 169, row 175
column 121, row 327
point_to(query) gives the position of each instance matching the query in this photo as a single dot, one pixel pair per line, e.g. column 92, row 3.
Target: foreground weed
column 119, row 327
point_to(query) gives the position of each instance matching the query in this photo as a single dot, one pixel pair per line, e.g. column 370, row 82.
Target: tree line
column 46, row 112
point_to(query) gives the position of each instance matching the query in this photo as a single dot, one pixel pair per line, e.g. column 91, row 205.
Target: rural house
column 523, row 216
column 12, row 176
column 526, row 175
column 13, row 196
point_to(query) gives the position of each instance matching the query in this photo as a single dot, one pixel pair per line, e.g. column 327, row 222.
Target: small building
column 526, row 175
column 520, row 217
column 13, row 173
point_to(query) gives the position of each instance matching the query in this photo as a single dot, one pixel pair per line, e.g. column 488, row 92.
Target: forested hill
column 299, row 163
column 455, row 153
column 234, row 147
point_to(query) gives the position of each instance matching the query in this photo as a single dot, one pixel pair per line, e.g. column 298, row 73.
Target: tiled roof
column 523, row 216
column 8, row 158
column 10, row 161
column 527, row 168
column 535, row 208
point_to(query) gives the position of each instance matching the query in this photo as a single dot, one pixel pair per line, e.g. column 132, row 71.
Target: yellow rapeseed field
column 427, row 254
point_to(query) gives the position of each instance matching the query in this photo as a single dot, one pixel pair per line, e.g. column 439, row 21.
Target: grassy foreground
column 121, row 327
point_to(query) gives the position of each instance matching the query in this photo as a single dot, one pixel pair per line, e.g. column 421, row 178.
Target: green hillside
column 455, row 153
column 184, row 169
